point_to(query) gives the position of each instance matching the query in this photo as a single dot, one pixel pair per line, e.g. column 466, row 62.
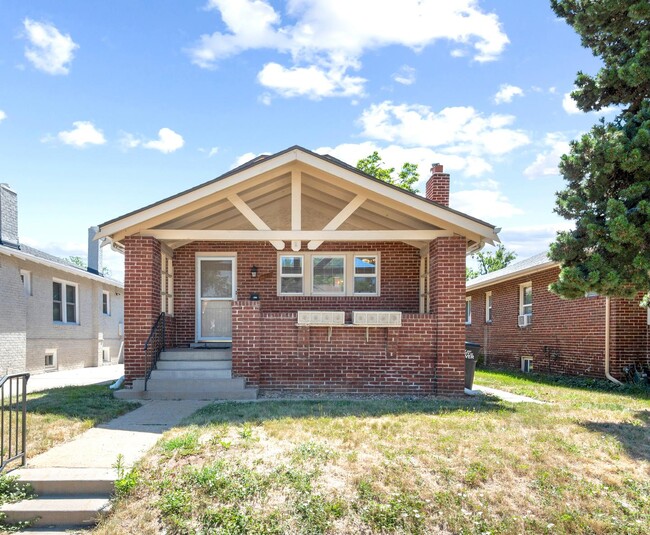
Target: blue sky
column 107, row 106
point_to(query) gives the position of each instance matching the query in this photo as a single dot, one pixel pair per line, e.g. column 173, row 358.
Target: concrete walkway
column 76, row 377
column 502, row 394
column 130, row 435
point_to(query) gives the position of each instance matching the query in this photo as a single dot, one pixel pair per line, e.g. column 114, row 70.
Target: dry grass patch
column 397, row 466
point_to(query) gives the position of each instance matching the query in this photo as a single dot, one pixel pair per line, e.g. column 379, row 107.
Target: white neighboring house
column 54, row 315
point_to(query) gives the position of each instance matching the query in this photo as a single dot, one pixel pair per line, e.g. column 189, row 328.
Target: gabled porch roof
column 297, row 196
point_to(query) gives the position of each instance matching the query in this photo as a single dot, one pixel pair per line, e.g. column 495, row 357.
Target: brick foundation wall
column 141, row 300
column 566, row 336
column 447, row 289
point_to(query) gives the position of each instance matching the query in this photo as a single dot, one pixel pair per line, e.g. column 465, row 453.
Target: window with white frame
column 166, row 283
column 526, row 299
column 365, row 274
column 468, row 310
column 26, row 279
column 65, row 301
column 488, row 307
column 331, row 274
column 106, row 302
column 292, row 274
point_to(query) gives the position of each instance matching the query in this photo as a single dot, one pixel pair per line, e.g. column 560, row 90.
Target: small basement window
column 50, row 362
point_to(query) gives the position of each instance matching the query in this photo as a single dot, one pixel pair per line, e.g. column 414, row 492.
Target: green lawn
column 578, row 464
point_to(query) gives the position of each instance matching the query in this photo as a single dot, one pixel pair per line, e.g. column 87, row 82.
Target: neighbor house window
column 166, row 284
column 365, row 274
column 335, row 274
column 328, row 275
column 26, row 279
column 488, row 307
column 65, row 302
column 526, row 299
column 468, row 310
column 50, row 362
column 292, row 275
column 106, row 303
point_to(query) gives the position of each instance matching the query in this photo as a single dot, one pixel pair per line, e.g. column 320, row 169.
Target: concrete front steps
column 67, row 498
column 192, row 374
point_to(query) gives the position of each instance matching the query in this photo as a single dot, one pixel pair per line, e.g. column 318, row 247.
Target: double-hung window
column 106, row 302
column 292, row 275
column 526, row 299
column 166, row 283
column 365, row 274
column 488, row 307
column 65, row 302
column 468, row 311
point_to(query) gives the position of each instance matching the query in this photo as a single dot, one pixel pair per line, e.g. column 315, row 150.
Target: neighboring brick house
column 320, row 277
column 53, row 314
column 513, row 315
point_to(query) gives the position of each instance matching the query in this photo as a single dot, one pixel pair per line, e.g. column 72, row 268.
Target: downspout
column 607, row 334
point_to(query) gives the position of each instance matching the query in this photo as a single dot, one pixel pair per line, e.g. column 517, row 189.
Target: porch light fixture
column 254, row 272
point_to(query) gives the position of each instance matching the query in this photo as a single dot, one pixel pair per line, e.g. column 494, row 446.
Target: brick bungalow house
column 298, row 272
column 514, row 316
column 54, row 315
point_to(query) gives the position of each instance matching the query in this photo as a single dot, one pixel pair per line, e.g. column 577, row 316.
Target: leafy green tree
column 490, row 261
column 406, row 179
column 80, row 262
column 608, row 169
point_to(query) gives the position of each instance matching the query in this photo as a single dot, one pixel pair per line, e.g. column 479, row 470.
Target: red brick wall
column 141, row 300
column 566, row 336
column 447, row 288
column 399, row 267
column 271, row 351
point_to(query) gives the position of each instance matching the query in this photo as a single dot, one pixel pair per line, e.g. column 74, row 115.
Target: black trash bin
column 471, row 355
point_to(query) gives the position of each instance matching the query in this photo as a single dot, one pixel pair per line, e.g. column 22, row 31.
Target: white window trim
column 27, row 282
column 64, row 308
column 307, row 269
column 108, row 302
column 167, row 282
column 353, row 268
column 488, row 307
column 468, row 310
column 522, row 288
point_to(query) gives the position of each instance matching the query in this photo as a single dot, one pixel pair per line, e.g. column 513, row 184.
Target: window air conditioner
column 524, row 320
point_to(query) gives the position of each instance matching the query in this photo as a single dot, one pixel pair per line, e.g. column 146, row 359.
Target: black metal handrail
column 154, row 345
column 13, row 419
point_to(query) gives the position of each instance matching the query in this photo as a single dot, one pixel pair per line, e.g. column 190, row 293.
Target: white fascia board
column 469, row 287
column 61, row 267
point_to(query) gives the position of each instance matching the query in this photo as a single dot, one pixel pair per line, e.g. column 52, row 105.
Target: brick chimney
column 438, row 185
column 8, row 217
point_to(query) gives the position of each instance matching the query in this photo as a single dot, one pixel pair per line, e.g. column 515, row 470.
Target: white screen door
column 215, row 292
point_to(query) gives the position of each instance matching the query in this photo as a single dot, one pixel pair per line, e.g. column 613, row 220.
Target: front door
column 215, row 292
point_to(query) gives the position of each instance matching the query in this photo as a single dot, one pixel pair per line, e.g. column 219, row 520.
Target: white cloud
column 210, row 152
column 168, row 141
column 3, row 116
column 507, row 92
column 546, row 162
column 49, row 50
column 459, row 129
column 331, row 36
column 84, row 133
column 569, row 104
column 405, row 75
column 245, row 158
column 483, row 203
column 129, row 141
column 312, row 82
